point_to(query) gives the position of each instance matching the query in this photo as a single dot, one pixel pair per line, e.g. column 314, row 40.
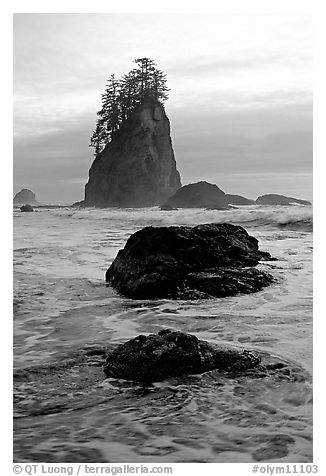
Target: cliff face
column 25, row 196
column 137, row 168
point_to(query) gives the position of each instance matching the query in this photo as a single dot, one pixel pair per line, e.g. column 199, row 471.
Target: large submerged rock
column 199, row 195
column 169, row 353
column 25, row 196
column 274, row 199
column 137, row 168
column 181, row 262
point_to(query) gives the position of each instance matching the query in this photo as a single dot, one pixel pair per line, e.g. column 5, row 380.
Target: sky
column 240, row 101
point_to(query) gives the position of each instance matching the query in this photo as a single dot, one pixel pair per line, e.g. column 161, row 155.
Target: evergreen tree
column 129, row 93
column 121, row 97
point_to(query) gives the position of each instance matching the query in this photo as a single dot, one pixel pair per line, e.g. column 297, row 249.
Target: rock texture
column 199, row 195
column 169, row 353
column 26, row 208
column 238, row 200
column 137, row 168
column 274, row 199
column 212, row 260
column 25, row 196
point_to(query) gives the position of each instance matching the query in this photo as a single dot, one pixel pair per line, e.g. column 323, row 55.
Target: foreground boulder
column 274, row 199
column 211, row 260
column 199, row 195
column 169, row 353
column 26, row 208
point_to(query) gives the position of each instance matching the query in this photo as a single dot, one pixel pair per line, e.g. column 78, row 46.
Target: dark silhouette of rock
column 169, row 353
column 137, row 168
column 205, row 261
column 199, row 195
column 230, row 207
column 274, row 199
column 238, row 200
column 26, row 208
column 79, row 204
column 25, row 196
column 166, row 208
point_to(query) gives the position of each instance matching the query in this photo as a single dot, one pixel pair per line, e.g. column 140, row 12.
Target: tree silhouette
column 145, row 83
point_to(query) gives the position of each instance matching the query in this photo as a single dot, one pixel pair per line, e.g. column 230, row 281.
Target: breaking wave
column 296, row 218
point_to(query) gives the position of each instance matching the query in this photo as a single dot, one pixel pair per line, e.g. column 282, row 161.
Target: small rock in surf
column 26, row 208
column 156, row 357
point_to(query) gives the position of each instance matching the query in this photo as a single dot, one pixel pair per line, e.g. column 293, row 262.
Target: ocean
column 66, row 318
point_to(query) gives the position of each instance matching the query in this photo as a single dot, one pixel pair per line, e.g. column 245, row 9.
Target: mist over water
column 65, row 318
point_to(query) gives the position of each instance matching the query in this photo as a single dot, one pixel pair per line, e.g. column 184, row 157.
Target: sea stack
column 25, row 196
column 137, row 168
column 239, row 200
column 275, row 199
column 198, row 195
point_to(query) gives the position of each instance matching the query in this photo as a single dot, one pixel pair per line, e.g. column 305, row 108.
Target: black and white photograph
column 163, row 240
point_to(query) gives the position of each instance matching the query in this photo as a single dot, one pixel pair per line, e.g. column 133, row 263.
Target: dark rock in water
column 79, row 204
column 166, row 208
column 199, row 195
column 230, row 207
column 275, row 446
column 25, row 196
column 205, row 261
column 238, row 200
column 137, row 168
column 274, row 199
column 26, row 208
column 169, row 353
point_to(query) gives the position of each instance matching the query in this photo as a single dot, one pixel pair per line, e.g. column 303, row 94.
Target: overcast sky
column 240, row 103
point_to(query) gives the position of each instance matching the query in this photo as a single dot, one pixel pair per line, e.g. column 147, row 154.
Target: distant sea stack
column 137, row 168
column 239, row 200
column 274, row 199
column 25, row 196
column 198, row 195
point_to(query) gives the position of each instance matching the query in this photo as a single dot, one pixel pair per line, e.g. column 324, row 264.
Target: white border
column 169, row 6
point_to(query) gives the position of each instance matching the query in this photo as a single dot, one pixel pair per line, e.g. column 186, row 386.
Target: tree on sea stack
column 122, row 96
column 134, row 164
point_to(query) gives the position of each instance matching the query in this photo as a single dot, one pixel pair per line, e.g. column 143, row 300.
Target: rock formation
column 212, row 260
column 167, row 354
column 25, row 196
column 199, row 195
column 137, row 168
column 238, row 200
column 274, row 199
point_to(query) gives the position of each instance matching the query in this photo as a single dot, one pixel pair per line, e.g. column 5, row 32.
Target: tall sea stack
column 137, row 168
